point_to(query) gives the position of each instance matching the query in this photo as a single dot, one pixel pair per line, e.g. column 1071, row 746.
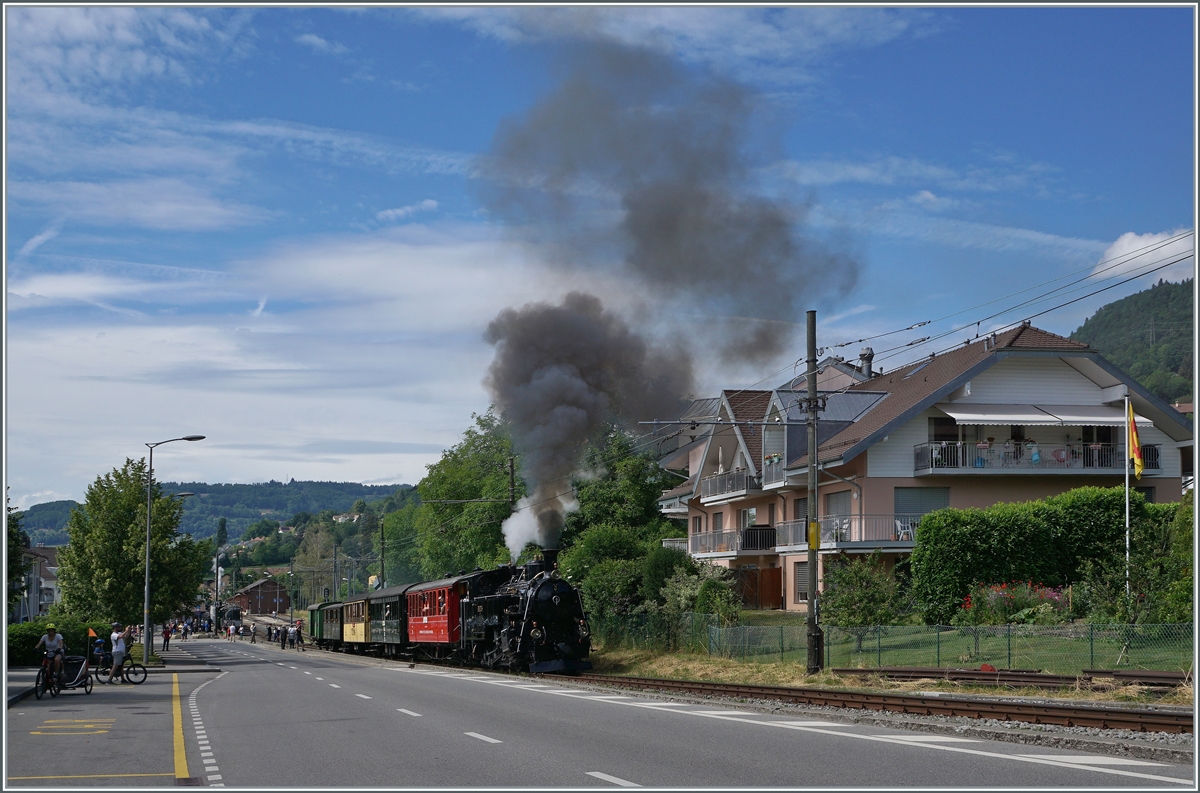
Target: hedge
column 1045, row 541
column 23, row 636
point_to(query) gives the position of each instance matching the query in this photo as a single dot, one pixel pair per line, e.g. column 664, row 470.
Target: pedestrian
column 166, row 634
column 282, row 639
column 292, row 637
column 119, row 638
column 253, row 633
column 300, row 635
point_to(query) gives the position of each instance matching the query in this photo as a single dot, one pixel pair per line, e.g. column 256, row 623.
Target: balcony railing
column 753, row 538
column 678, row 543
column 714, row 542
column 964, row 456
column 731, row 482
column 772, row 471
column 850, row 528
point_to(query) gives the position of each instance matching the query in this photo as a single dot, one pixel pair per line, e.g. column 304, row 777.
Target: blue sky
column 265, row 225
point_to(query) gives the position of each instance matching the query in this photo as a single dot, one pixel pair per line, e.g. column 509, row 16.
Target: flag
column 92, row 633
column 1135, row 446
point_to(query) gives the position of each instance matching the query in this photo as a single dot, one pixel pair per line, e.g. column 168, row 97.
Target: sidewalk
column 20, row 683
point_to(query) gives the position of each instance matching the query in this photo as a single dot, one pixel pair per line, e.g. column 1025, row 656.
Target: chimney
column 867, row 355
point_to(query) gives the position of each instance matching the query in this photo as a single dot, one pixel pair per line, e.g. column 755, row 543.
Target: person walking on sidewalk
column 253, row 633
column 166, row 634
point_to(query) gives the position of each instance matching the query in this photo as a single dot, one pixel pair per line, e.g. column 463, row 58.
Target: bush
column 658, row 566
column 612, row 588
column 1059, row 541
column 1017, row 601
column 595, row 545
column 716, row 597
column 23, row 636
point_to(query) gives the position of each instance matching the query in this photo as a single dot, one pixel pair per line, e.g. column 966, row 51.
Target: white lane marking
column 334, row 685
column 922, row 738
column 530, row 687
column 615, row 698
column 616, row 780
column 308, row 673
column 319, row 678
column 1091, row 759
column 206, row 754
column 482, row 737
column 213, row 777
column 364, row 696
column 409, row 712
column 291, row 667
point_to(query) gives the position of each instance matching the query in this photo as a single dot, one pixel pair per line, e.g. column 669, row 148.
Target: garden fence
column 1057, row 649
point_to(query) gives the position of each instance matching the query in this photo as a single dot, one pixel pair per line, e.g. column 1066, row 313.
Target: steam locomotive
column 518, row 617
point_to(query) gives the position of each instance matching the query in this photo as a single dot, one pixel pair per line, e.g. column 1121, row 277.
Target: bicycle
column 135, row 673
column 46, row 681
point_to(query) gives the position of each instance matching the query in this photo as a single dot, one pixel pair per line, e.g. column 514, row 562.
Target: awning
column 1039, row 415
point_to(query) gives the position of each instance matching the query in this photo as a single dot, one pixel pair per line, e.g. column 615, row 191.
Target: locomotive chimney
column 550, row 557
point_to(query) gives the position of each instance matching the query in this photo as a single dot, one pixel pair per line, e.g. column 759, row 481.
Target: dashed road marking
column 334, row 685
column 308, row 673
column 616, row 780
column 409, row 712
column 482, row 737
column 364, row 696
column 917, row 738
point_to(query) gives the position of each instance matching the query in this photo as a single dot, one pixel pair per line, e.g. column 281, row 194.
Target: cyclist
column 56, row 645
column 119, row 638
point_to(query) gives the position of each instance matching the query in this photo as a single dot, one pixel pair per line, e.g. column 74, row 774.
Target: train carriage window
column 441, row 602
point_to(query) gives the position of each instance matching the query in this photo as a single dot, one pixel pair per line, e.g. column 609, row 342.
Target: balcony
column 842, row 530
column 727, row 485
column 772, row 471
column 1078, row 458
column 750, row 540
column 678, row 543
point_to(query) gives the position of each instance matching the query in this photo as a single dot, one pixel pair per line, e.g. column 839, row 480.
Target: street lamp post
column 147, row 638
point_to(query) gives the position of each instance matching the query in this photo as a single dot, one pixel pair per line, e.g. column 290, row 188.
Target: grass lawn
column 692, row 666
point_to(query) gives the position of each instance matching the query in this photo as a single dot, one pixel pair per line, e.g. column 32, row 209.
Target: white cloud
column 37, row 241
column 1003, row 174
column 320, row 44
column 399, row 213
column 773, row 44
column 1132, row 253
column 927, row 200
column 163, row 203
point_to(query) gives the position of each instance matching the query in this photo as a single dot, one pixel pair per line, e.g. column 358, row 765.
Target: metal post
column 382, row 557
column 878, row 645
column 814, row 532
column 938, row 632
column 147, row 637
column 1091, row 646
column 1128, row 457
column 1010, row 666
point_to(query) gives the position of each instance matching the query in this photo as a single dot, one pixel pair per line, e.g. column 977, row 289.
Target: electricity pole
column 812, row 405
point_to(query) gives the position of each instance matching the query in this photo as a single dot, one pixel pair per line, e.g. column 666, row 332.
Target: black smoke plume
column 636, row 160
column 560, row 375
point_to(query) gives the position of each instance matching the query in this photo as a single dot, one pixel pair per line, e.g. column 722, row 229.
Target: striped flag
column 1135, row 446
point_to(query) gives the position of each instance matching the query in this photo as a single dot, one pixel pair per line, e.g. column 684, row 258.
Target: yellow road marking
column 75, row 721
column 73, row 727
column 86, row 776
column 181, row 765
column 81, row 732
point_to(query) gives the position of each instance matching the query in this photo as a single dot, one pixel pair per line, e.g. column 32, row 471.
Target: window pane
column 838, row 503
column 801, row 587
column 718, row 519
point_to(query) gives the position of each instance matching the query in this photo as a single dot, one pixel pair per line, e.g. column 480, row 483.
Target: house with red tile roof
column 1011, row 417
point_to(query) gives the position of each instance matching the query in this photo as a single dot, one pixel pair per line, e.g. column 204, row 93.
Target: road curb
column 13, row 699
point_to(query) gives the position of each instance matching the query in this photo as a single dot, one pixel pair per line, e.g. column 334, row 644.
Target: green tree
column 622, row 488
column 597, row 544
column 452, row 537
column 859, row 594
column 222, row 533
column 102, row 571
column 613, row 589
column 17, row 567
column 401, row 549
column 658, row 566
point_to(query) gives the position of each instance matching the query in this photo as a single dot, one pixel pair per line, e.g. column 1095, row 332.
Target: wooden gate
column 760, row 588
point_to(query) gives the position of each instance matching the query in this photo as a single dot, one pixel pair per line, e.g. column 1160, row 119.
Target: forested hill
column 240, row 505
column 1149, row 335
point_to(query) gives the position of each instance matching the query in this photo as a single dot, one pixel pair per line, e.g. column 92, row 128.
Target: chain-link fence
column 1057, row 649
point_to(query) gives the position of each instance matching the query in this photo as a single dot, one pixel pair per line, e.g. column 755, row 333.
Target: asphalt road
column 288, row 719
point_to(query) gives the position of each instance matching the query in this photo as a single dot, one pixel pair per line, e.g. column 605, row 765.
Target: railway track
column 1111, row 718
column 1023, row 677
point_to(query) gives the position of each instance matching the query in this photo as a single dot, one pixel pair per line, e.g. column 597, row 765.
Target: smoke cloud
column 560, row 375
column 637, row 164
column 639, row 161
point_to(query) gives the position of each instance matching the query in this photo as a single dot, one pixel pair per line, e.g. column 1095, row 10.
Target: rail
column 1110, row 718
column 968, row 456
column 851, row 528
column 731, row 482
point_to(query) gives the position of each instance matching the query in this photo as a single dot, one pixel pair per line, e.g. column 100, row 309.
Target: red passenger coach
column 433, row 612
